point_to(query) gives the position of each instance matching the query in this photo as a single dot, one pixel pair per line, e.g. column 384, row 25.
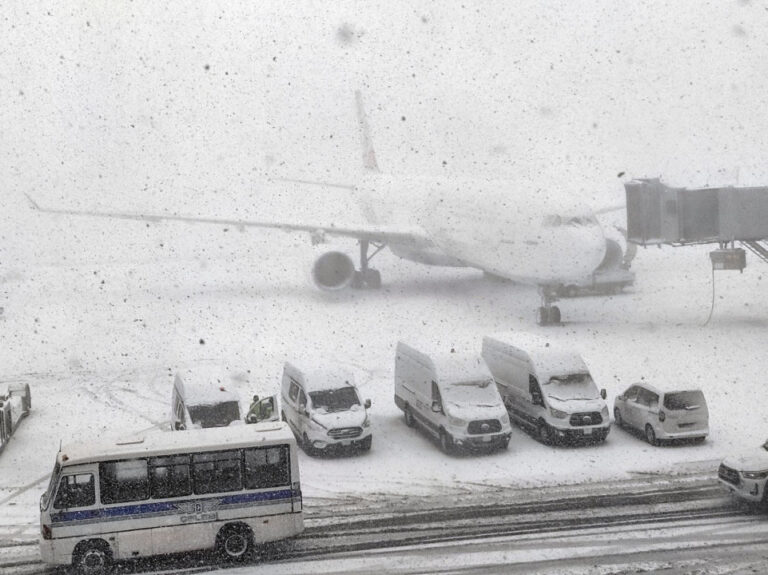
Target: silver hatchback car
column 663, row 414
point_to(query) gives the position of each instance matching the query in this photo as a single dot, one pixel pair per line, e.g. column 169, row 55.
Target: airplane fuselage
column 526, row 235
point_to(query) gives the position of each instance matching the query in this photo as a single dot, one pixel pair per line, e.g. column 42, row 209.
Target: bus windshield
column 46, row 497
column 331, row 400
column 217, row 415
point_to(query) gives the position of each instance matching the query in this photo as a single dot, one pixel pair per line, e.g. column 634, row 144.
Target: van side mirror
column 603, row 394
column 367, row 404
column 436, row 408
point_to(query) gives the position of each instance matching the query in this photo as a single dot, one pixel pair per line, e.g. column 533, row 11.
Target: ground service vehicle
column 227, row 489
column 663, row 414
column 547, row 388
column 203, row 398
column 322, row 405
column 746, row 475
column 14, row 407
column 451, row 396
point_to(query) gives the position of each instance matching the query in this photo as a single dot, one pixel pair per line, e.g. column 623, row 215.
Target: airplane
column 506, row 229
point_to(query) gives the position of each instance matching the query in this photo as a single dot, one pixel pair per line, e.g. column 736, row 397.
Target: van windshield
column 688, row 400
column 217, row 415
column 331, row 400
column 572, row 386
column 480, row 393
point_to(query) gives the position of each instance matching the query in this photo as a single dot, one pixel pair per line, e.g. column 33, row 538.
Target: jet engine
column 333, row 271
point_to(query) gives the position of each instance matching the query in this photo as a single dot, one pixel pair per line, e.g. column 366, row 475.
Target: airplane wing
column 381, row 234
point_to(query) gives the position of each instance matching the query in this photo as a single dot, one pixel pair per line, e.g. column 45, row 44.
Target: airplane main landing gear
column 548, row 314
column 367, row 277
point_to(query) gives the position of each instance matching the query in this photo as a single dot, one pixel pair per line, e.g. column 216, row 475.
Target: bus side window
column 169, row 476
column 217, row 471
column 75, row 491
column 267, row 467
column 122, row 481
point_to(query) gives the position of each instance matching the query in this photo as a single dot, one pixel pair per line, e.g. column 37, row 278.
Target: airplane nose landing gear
column 548, row 314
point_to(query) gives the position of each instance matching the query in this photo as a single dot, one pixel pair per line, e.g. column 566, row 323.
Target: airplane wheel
column 358, row 280
column 372, row 278
column 554, row 315
column 542, row 316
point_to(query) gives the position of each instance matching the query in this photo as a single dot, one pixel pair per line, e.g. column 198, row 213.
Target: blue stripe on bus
column 169, row 506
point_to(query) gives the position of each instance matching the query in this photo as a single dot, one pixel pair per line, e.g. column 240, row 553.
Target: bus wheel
column 235, row 542
column 93, row 558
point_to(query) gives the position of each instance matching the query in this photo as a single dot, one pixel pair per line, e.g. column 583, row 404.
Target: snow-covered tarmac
column 98, row 338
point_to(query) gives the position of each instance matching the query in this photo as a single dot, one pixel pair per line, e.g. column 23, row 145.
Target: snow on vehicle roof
column 550, row 358
column 209, row 385
column 322, row 375
column 450, row 365
column 665, row 386
column 460, row 367
column 165, row 442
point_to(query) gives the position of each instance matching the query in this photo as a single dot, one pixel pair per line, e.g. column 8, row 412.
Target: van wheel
column 283, row 417
column 446, row 441
column 409, row 420
column 93, row 558
column 365, row 444
column 650, row 435
column 617, row 417
column 309, row 449
column 235, row 542
column 544, row 433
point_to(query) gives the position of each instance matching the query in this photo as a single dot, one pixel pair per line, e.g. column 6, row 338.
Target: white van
column 322, row 405
column 202, row 397
column 547, row 388
column 451, row 396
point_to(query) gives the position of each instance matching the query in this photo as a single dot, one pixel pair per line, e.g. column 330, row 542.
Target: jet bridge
column 660, row 214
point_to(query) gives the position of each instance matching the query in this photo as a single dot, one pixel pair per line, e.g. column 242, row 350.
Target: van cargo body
column 547, row 388
column 321, row 404
column 452, row 397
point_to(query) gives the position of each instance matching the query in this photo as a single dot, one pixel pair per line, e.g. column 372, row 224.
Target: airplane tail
column 369, row 154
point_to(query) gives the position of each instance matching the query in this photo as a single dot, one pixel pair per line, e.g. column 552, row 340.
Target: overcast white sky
column 187, row 106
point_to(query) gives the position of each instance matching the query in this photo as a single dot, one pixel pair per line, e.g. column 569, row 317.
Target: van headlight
column 755, row 474
column 605, row 412
column 556, row 413
column 456, row 421
column 505, row 418
column 367, row 422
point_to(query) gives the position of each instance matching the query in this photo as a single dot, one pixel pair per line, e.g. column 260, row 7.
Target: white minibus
column 227, row 488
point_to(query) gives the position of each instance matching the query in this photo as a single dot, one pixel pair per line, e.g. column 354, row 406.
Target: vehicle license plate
column 487, row 439
column 588, row 431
